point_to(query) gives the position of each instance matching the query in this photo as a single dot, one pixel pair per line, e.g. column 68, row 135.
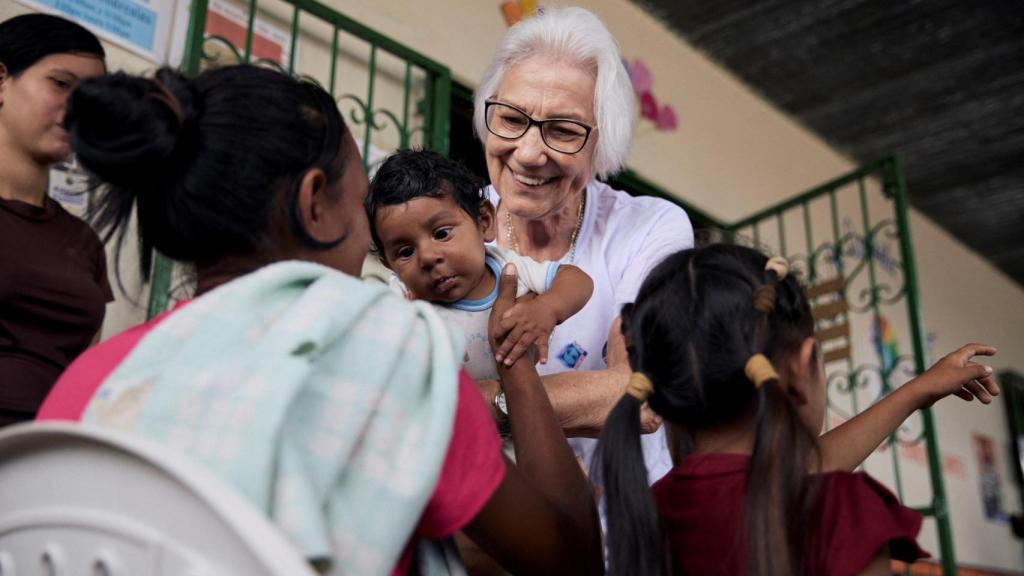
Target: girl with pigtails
column 721, row 342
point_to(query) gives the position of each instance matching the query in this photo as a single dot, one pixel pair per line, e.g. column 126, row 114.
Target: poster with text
column 142, row 26
column 230, row 21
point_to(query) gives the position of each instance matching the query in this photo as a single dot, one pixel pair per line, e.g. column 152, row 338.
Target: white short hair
column 578, row 35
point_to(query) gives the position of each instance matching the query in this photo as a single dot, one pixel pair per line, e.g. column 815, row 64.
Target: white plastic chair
column 76, row 501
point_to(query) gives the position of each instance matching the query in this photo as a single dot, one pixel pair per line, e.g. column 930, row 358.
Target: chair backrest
column 76, row 501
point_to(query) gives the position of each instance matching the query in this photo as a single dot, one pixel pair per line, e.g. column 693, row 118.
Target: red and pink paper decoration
column 664, row 117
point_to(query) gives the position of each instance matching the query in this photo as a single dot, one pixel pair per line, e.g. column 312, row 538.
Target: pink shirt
column 472, row 471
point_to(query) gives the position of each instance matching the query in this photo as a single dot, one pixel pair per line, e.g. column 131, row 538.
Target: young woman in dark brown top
column 53, row 276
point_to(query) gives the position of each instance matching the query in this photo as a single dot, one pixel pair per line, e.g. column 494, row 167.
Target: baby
column 431, row 223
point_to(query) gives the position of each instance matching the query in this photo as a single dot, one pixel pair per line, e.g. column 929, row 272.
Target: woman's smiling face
column 533, row 180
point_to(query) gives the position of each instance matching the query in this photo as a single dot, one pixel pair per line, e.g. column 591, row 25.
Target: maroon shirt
column 701, row 502
column 53, row 294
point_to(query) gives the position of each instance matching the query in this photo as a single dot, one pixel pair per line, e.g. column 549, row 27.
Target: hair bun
column 128, row 130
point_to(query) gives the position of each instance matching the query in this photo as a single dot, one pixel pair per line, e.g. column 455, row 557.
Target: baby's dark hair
column 27, row 39
column 213, row 163
column 411, row 174
column 692, row 330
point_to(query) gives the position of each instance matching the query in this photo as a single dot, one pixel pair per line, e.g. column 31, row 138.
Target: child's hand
column 497, row 334
column 528, row 323
column 956, row 374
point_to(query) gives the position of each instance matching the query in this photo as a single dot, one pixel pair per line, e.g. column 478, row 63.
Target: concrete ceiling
column 939, row 82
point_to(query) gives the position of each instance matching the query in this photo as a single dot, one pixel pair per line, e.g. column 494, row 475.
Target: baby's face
column 436, row 248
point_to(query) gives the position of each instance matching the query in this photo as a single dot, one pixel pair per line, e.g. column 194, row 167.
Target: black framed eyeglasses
column 560, row 134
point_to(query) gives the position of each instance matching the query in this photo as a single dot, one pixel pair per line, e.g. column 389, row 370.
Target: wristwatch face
column 499, row 401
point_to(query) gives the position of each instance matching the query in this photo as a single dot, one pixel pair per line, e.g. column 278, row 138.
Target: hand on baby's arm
column 531, row 321
column 528, row 323
column 956, row 374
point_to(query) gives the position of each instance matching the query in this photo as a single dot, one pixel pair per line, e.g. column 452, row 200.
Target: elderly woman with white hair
column 555, row 112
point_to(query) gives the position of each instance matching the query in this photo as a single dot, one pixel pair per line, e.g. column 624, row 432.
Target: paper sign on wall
column 142, row 26
column 231, row 22
column 988, row 478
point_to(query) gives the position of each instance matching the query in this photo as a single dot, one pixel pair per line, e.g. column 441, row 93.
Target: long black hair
column 692, row 330
column 27, row 39
column 213, row 163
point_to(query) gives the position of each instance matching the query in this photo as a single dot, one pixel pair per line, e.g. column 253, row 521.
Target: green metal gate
column 404, row 98
column 855, row 231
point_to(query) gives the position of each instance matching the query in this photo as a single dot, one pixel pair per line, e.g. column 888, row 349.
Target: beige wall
column 732, row 155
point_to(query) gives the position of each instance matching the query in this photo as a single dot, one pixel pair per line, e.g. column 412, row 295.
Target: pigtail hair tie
column 764, row 298
column 764, row 295
column 779, row 265
column 759, row 370
column 640, row 386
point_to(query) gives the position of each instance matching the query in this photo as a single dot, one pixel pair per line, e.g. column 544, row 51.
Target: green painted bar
column 782, row 233
column 809, row 239
column 159, row 285
column 250, row 30
column 334, row 59
column 869, row 255
column 838, row 253
column 295, row 40
column 441, row 111
column 368, row 111
column 895, row 178
column 897, row 476
column 835, row 233
column 194, row 39
column 404, row 128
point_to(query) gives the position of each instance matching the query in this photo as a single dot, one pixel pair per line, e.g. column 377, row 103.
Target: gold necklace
column 572, row 239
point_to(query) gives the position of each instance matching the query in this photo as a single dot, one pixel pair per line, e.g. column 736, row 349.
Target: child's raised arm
column 847, row 446
column 531, row 321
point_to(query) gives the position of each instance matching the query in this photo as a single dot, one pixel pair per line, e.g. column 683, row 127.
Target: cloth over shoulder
column 323, row 399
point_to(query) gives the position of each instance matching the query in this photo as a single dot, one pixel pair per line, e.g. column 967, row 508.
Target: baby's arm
column 848, row 445
column 531, row 321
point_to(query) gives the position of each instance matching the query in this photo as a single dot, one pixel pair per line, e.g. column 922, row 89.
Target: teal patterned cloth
column 328, row 402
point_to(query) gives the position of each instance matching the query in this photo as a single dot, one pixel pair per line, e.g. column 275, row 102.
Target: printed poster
column 142, row 26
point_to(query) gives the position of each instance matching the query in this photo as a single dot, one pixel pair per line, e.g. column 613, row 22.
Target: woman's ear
column 318, row 211
column 488, row 222
column 800, row 371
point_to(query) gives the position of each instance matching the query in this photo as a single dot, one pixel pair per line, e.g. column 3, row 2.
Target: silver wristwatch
column 501, row 404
